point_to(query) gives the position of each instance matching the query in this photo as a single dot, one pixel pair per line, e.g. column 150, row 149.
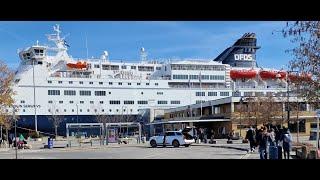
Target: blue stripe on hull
column 45, row 125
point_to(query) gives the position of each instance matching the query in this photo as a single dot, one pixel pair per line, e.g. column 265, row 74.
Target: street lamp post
column 241, row 103
column 15, row 131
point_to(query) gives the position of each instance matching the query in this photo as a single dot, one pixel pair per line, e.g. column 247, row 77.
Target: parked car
column 174, row 138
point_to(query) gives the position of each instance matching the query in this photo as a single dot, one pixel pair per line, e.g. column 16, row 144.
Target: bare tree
column 6, row 96
column 306, row 36
column 56, row 117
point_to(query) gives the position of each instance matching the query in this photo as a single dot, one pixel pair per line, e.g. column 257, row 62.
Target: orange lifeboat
column 268, row 74
column 78, row 65
column 272, row 74
column 239, row 74
column 301, row 77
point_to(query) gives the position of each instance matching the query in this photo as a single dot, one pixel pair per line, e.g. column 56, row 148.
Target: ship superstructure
column 49, row 81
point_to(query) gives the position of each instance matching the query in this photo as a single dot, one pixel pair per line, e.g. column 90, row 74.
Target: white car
column 174, row 138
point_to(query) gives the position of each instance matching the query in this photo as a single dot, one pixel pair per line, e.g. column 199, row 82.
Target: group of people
column 270, row 142
column 20, row 142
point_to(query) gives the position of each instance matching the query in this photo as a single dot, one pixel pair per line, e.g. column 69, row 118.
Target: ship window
column 90, row 82
column 142, row 102
column 175, row 102
column 23, row 110
column 54, row 92
column 57, row 110
column 95, row 110
column 88, row 110
column 212, row 93
column 138, row 84
column 200, row 93
column 102, row 110
column 129, row 84
column 91, row 102
column 159, row 93
column 110, row 110
column 49, row 82
column 128, row 102
column 110, row 83
column 17, row 80
column 158, row 68
column 117, row 110
column 100, row 93
column 123, row 67
column 22, row 101
column 200, row 101
column 80, row 110
column 71, row 102
column 81, row 102
column 162, row 102
column 60, row 82
column 156, row 84
column 69, row 92
column 49, row 110
column 72, row 110
column 109, row 92
column 60, row 102
column 114, row 102
column 70, row 82
column 39, row 62
column 101, row 102
column 119, row 83
column 50, row 102
column 100, row 83
column 224, row 93
column 133, row 67
column 96, row 66
column 65, row 110
column 147, row 84
column 85, row 93
column 142, row 93
column 80, row 82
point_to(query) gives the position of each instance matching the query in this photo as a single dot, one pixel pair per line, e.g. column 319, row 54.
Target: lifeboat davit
column 239, row 74
column 272, row 74
column 78, row 65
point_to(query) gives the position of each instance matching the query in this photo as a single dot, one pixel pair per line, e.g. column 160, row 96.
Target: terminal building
column 233, row 113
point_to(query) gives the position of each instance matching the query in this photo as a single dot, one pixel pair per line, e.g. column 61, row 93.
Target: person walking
column 262, row 140
column 287, row 144
column 273, row 150
column 251, row 136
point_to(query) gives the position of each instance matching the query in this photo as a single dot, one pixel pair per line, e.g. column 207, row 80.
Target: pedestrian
column 262, row 140
column 10, row 141
column 287, row 143
column 251, row 136
column 164, row 140
column 273, row 150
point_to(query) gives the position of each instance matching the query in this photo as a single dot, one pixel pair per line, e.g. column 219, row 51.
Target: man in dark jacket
column 262, row 140
column 251, row 136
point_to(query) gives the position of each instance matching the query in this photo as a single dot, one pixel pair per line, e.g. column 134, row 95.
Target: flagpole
column 190, row 96
column 200, row 94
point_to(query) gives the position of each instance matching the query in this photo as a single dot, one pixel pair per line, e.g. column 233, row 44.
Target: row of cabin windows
column 212, row 94
column 115, row 67
column 101, row 83
column 80, row 110
column 118, row 102
column 203, row 77
column 84, row 93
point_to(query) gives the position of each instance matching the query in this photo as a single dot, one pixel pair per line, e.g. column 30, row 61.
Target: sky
column 161, row 39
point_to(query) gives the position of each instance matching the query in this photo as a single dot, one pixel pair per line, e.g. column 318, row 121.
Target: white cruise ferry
column 51, row 82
